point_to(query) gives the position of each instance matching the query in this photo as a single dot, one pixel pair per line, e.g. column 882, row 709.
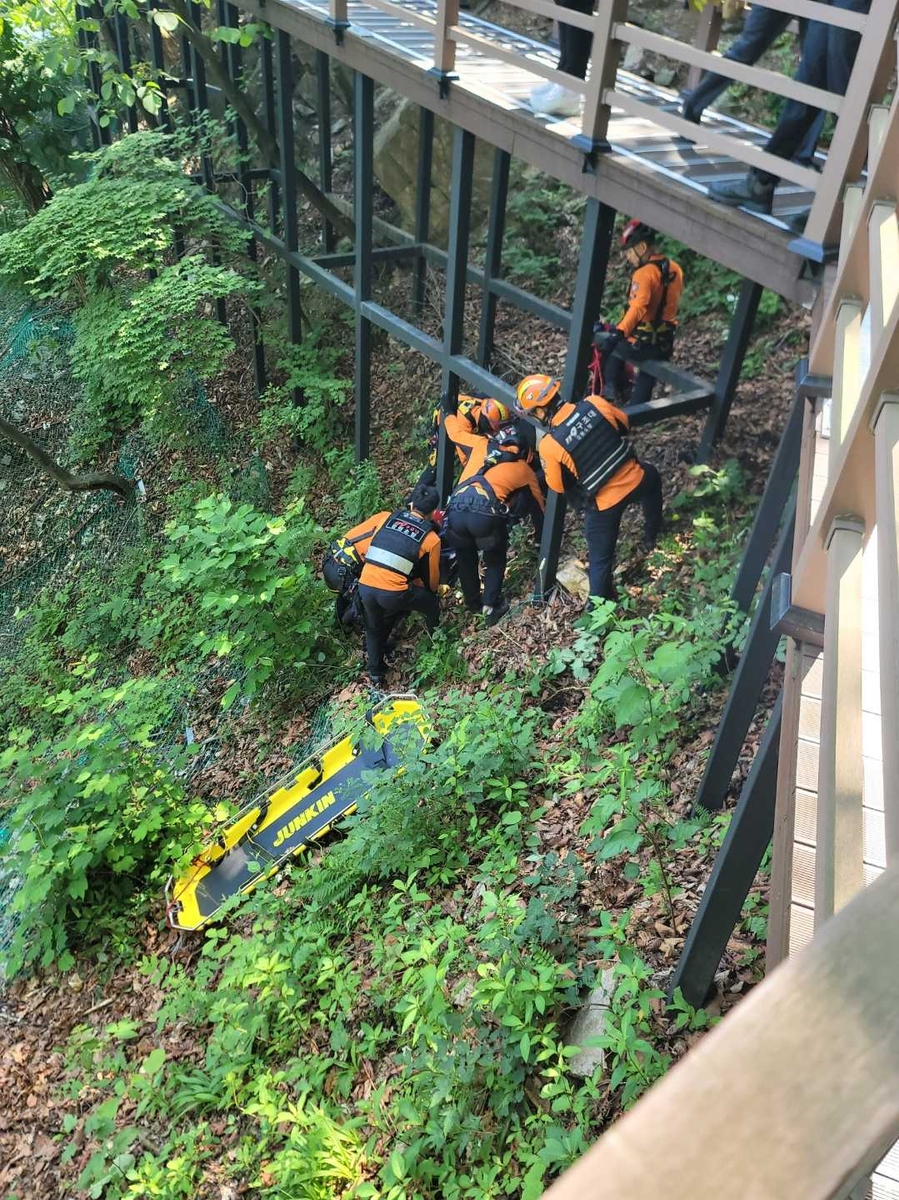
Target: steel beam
column 284, row 101
column 748, row 681
column 599, row 221
column 234, row 63
column 266, row 67
column 454, row 306
column 422, row 207
column 731, row 365
column 736, row 866
column 493, row 256
column 123, row 53
column 363, row 212
column 772, row 505
column 325, row 172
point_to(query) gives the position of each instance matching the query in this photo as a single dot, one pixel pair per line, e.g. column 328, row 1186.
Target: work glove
column 607, row 340
column 449, row 404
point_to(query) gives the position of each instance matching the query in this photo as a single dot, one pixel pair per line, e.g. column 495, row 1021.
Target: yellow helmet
column 537, row 391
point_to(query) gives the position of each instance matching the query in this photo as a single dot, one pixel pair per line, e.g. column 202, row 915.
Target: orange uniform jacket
column 380, row 577
column 646, row 292
column 508, row 477
column 462, row 431
column 554, row 458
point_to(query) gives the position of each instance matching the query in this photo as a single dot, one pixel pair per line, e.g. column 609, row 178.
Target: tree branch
column 98, row 481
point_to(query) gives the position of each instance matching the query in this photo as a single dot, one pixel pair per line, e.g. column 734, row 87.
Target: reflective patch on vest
column 386, row 558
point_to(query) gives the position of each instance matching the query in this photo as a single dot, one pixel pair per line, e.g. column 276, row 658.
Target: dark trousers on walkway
column 470, row 534
column 602, row 525
column 613, row 372
column 382, row 609
column 575, row 44
column 828, row 54
column 762, row 27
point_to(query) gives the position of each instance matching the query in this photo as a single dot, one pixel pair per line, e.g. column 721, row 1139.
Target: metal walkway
column 651, row 172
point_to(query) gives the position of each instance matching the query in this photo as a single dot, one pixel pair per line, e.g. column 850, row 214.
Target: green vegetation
column 391, row 1019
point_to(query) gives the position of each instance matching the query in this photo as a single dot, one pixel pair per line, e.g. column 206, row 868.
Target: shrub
column 96, row 816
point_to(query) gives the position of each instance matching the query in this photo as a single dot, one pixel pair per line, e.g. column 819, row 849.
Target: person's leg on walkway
column 761, row 28
column 574, row 44
column 495, row 565
column 601, row 531
column 375, row 629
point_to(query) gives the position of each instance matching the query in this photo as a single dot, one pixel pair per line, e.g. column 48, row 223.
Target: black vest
column 397, row 544
column 595, row 445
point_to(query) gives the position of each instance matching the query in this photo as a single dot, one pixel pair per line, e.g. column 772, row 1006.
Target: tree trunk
column 98, row 481
column 263, row 136
column 24, row 177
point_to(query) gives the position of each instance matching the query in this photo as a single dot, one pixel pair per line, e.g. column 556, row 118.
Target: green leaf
column 65, row 105
column 168, row 22
column 153, row 1062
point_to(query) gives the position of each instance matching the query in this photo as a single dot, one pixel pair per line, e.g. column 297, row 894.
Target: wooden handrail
column 757, row 77
column 456, row 33
column 794, row 1094
column 403, row 13
column 731, row 147
column 842, row 18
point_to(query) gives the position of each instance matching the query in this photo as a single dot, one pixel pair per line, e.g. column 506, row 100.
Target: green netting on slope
column 48, row 536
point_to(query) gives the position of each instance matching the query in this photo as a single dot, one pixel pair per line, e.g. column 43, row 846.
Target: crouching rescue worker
column 586, row 455
column 647, row 329
column 469, row 421
column 479, row 515
column 401, row 574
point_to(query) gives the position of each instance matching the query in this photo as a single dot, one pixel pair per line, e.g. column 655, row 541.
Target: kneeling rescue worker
column 586, row 456
column 401, row 573
column 647, row 329
column 479, row 515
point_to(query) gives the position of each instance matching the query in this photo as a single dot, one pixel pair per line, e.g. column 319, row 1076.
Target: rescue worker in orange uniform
column 647, row 329
column 586, row 455
column 469, row 422
column 401, row 572
column 479, row 515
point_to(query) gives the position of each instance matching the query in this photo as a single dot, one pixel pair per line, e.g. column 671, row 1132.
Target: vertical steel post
column 599, row 222
column 363, row 182
column 422, row 207
column 157, row 58
column 102, row 134
column 493, row 257
column 84, row 46
column 200, row 94
column 266, row 64
column 325, row 172
column 456, row 271
column 123, row 53
column 731, row 366
column 288, row 186
column 771, row 507
column 234, row 60
column 736, row 865
column 749, row 679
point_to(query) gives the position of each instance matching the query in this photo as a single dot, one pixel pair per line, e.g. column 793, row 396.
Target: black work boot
column 749, row 192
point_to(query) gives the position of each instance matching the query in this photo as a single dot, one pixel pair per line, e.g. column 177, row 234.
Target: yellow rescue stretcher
column 295, row 812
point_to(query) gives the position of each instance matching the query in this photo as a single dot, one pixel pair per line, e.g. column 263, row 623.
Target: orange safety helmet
column 537, row 391
column 496, row 414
